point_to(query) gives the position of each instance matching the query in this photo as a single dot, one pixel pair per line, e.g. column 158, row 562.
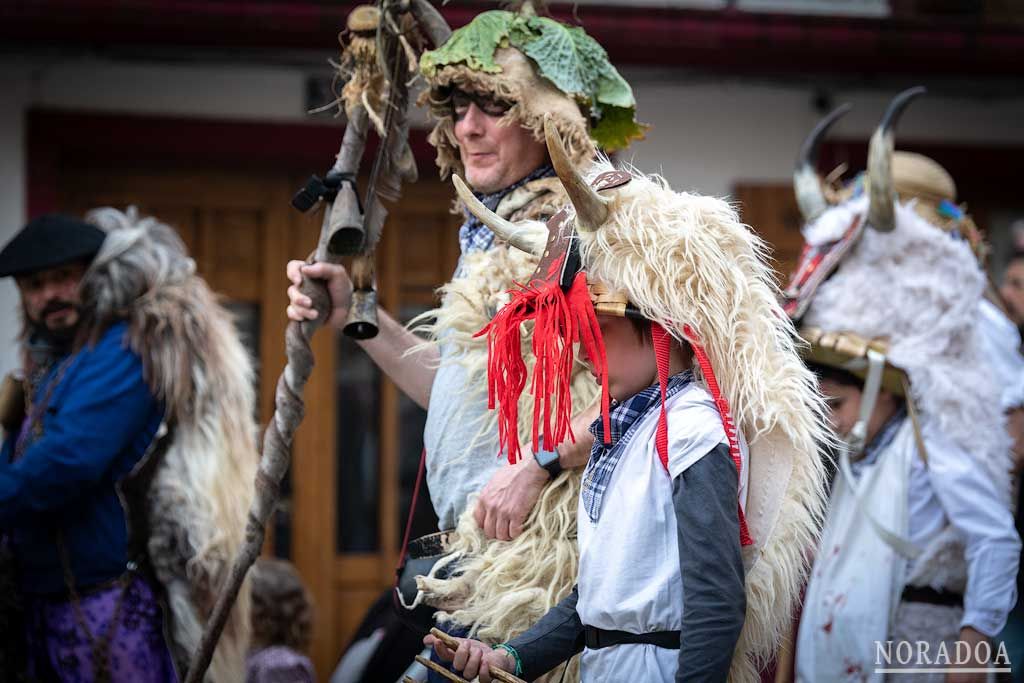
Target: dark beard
column 45, row 344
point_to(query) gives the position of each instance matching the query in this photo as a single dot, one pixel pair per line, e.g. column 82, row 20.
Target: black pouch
column 12, row 404
column 421, row 555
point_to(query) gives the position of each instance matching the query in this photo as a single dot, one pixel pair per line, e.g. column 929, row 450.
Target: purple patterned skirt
column 60, row 651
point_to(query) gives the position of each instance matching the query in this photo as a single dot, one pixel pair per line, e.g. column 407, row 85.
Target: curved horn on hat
column 880, row 188
column 806, row 183
column 505, row 229
column 591, row 208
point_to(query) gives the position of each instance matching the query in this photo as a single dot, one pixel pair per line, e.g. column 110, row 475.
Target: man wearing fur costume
column 919, row 544
column 705, row 476
column 490, row 86
column 124, row 464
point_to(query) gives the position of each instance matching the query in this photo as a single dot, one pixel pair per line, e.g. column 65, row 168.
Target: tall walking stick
column 378, row 77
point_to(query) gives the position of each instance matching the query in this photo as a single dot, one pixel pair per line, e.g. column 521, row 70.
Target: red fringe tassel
column 561, row 320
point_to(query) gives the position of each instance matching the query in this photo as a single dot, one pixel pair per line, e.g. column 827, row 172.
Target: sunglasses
column 489, row 106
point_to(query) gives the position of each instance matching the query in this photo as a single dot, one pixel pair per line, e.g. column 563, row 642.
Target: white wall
column 15, row 85
column 707, row 133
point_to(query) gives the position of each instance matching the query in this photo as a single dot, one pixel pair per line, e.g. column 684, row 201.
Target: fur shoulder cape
column 200, row 488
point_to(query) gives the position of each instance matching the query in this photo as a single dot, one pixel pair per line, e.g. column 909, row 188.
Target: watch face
column 545, row 458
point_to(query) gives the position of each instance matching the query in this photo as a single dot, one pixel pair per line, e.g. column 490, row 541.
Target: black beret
column 49, row 241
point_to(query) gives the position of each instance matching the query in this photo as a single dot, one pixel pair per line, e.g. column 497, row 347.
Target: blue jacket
column 99, row 422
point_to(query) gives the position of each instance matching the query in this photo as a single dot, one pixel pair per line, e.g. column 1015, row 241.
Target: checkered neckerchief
column 624, row 417
column 474, row 235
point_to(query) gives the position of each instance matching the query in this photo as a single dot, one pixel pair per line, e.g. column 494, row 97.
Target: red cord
column 730, row 429
column 412, row 507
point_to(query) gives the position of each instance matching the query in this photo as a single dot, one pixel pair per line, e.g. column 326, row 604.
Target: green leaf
column 575, row 63
column 617, row 128
column 473, row 45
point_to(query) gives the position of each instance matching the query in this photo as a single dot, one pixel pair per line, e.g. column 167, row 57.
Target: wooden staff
column 343, row 214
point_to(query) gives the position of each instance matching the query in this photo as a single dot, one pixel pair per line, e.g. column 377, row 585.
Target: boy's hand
column 472, row 658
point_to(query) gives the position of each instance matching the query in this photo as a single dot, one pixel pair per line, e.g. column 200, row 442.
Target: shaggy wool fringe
column 574, row 132
column 194, row 362
column 686, row 259
column 504, row 587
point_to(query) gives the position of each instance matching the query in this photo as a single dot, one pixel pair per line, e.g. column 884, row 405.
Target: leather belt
column 931, row 596
column 597, row 638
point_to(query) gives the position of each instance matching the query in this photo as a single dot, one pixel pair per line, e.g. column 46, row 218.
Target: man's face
column 1013, row 290
column 494, row 155
column 50, row 297
column 631, row 363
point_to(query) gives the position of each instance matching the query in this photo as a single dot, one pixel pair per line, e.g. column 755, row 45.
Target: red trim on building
column 727, row 40
column 57, row 138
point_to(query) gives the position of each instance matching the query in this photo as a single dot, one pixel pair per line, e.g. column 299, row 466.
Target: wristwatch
column 549, row 461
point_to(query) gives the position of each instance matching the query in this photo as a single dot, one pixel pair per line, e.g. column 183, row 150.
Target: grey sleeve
column 714, row 594
column 552, row 640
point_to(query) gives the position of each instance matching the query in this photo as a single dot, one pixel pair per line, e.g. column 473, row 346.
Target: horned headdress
column 628, row 245
column 889, row 287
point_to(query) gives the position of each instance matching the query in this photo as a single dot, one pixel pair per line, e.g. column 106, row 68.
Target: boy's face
column 844, row 407
column 631, row 364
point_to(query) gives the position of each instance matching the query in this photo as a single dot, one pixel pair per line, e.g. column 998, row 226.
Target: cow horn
column 591, row 208
column 505, row 229
column 806, row 183
column 881, row 214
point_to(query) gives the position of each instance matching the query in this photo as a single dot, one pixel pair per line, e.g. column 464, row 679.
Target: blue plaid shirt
column 474, row 235
column 624, row 419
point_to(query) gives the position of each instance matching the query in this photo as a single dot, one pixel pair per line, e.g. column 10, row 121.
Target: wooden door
column 771, row 210
column 240, row 229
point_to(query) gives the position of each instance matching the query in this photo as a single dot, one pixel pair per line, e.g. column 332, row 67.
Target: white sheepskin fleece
column 921, row 289
column 832, row 224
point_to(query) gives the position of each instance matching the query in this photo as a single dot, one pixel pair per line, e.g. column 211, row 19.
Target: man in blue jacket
column 128, row 463
column 89, row 417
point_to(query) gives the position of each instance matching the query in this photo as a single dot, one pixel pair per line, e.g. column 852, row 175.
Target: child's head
column 630, row 352
column 843, row 391
column 282, row 611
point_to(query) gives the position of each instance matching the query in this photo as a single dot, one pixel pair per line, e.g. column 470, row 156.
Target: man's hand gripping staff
column 471, row 657
column 382, row 64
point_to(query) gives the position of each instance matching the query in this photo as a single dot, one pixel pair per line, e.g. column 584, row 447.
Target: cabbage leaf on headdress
column 565, row 55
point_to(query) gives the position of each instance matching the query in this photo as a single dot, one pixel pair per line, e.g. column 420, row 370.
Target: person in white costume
column 716, row 423
column 919, row 544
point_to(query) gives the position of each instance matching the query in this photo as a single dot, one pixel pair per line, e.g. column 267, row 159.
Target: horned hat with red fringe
column 628, row 245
